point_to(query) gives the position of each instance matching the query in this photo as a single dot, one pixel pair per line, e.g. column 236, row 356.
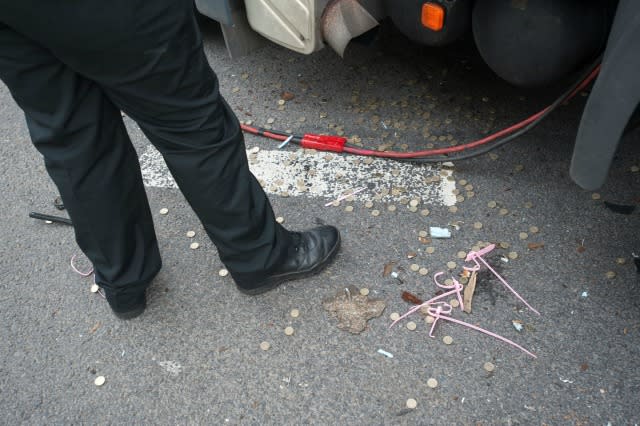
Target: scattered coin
column 368, row 204
column 519, row 167
column 94, row 288
column 635, row 169
column 391, row 208
column 375, row 212
column 164, row 210
column 270, row 120
column 280, row 219
column 523, row 235
column 430, row 250
column 99, row 381
column 621, row 261
column 488, row 366
column 534, row 229
column 194, row 246
column 223, row 272
column 414, row 267
column 423, row 271
column 454, row 303
column 477, row 225
column 595, row 196
column 447, row 340
column 411, row 403
column 611, row 275
column 288, row 331
column 425, row 212
column 513, row 255
column 364, row 291
column 503, row 212
column 504, row 245
column 528, row 205
column 492, row 204
column 414, row 202
column 432, row 383
column 423, row 234
column 348, row 209
column 451, row 265
column 394, row 316
column 429, row 319
column 411, row 325
column 462, row 182
column 265, row 346
column 453, row 209
column 461, row 255
column 295, row 313
column 413, row 209
column 191, row 234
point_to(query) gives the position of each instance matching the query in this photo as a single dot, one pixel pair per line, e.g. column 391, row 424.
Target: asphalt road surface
column 195, row 357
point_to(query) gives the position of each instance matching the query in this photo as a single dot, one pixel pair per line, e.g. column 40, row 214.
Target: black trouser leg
column 89, row 156
column 158, row 74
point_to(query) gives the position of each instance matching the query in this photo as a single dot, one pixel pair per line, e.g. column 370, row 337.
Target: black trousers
column 72, row 66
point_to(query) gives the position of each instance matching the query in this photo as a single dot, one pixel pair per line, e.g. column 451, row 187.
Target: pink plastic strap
column 456, row 288
column 76, row 270
column 477, row 255
column 436, row 313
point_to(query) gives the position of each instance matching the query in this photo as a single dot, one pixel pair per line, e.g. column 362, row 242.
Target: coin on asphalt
column 391, row 208
column 423, row 271
column 477, row 225
column 295, row 313
column 451, row 265
column 364, row 291
column 280, row 219
column 94, row 288
column 423, row 234
column 191, row 234
column 430, row 250
column 488, row 366
column 375, row 212
column 411, row 325
column 523, row 235
column 411, row 403
column 414, row 202
column 611, row 275
column 368, row 204
column 348, row 209
column 432, row 383
column 534, row 229
column 194, row 246
column 447, row 340
column 513, row 255
column 621, row 261
column 454, row 303
column 492, row 204
column 425, row 212
column 429, row 319
column 414, row 267
column 462, row 255
column 164, row 210
column 503, row 212
column 595, row 196
column 99, row 381
column 394, row 316
column 453, row 209
column 288, row 331
column 223, row 272
column 265, row 346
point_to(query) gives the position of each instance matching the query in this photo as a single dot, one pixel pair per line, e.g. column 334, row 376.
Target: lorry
column 528, row 43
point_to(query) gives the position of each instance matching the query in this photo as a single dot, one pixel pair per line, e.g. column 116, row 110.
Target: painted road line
column 328, row 175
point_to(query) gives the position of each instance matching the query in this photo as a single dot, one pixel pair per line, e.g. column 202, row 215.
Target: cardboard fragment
column 353, row 310
column 468, row 292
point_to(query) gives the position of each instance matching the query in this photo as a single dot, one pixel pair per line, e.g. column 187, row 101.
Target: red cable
column 440, row 151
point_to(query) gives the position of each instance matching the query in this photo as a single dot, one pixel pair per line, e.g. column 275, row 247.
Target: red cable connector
column 323, row 142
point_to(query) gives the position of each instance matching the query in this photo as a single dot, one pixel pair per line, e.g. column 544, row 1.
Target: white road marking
column 329, row 175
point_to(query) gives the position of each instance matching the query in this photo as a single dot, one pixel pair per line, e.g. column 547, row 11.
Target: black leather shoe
column 126, row 307
column 309, row 253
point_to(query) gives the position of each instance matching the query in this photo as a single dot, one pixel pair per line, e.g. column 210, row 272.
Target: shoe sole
column 275, row 281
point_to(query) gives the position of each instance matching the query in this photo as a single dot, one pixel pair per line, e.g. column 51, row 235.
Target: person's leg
column 89, row 156
column 163, row 81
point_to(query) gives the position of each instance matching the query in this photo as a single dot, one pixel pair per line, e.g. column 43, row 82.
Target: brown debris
column 287, row 96
column 353, row 310
column 95, row 327
column 535, row 246
column 388, row 268
column 468, row 292
column 411, row 298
